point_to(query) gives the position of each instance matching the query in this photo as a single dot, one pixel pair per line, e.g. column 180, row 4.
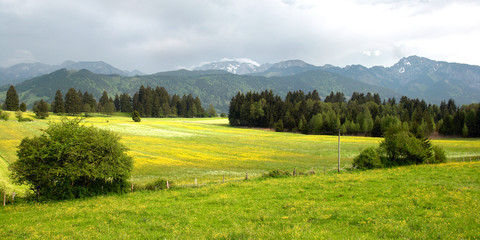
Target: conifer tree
column 117, row 103
column 41, row 109
column 58, row 105
column 109, row 108
column 125, row 103
column 103, row 100
column 90, row 100
column 73, row 105
column 23, row 107
column 11, row 101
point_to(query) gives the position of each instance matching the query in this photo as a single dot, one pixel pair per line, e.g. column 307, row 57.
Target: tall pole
column 339, row 150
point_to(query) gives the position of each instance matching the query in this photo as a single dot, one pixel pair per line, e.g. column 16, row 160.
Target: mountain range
column 415, row 77
column 24, row 71
column 216, row 83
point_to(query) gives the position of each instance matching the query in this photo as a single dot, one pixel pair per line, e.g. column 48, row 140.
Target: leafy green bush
column 368, row 159
column 278, row 174
column 4, row 115
column 158, row 184
column 136, row 116
column 439, row 155
column 399, row 148
column 20, row 118
column 70, row 160
column 402, row 148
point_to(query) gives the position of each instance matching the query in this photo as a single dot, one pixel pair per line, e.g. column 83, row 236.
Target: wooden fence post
column 168, row 185
column 196, row 182
column 132, row 187
column 294, row 171
column 246, row 175
column 13, row 197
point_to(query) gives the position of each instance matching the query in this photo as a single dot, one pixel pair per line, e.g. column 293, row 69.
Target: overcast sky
column 160, row 35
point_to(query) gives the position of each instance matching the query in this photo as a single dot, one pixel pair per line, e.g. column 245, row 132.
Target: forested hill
column 212, row 87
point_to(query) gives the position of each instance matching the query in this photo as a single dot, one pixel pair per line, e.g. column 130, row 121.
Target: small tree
column 465, row 130
column 23, row 107
column 41, row 109
column 70, row 160
column 136, row 116
column 87, row 109
column 73, row 103
column 279, row 126
column 109, row 108
column 58, row 104
column 211, row 111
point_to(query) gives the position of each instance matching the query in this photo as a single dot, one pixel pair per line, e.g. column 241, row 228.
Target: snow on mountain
column 244, row 66
column 235, row 66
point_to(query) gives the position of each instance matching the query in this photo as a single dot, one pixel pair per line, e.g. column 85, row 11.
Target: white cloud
column 19, row 56
column 161, row 35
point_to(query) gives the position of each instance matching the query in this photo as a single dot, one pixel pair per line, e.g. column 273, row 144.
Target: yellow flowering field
column 182, row 150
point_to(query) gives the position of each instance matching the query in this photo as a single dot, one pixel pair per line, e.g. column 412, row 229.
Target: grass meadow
column 430, row 201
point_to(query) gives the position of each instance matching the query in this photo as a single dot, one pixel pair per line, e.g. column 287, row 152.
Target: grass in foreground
column 420, row 202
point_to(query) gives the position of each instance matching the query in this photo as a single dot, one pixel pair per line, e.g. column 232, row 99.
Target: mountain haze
column 24, row 71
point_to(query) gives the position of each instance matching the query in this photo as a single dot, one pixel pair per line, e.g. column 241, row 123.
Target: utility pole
column 339, row 150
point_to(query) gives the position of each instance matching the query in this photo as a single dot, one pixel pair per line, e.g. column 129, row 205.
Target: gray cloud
column 162, row 35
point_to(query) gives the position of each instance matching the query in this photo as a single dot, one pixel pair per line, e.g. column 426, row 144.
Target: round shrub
column 70, row 160
column 368, row 159
column 136, row 116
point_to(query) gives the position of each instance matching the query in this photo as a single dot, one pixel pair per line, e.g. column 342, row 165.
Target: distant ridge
column 24, row 71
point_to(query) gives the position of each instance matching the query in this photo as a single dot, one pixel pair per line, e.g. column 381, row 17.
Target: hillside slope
column 212, row 87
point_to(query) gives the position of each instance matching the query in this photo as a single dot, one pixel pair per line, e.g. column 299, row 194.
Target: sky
column 162, row 35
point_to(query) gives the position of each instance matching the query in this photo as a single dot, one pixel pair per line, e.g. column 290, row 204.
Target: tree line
column 147, row 101
column 364, row 114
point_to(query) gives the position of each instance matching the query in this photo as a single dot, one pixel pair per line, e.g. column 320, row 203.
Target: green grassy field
column 416, row 202
column 430, row 201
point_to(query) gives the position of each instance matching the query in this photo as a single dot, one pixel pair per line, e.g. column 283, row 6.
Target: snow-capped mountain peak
column 235, row 66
